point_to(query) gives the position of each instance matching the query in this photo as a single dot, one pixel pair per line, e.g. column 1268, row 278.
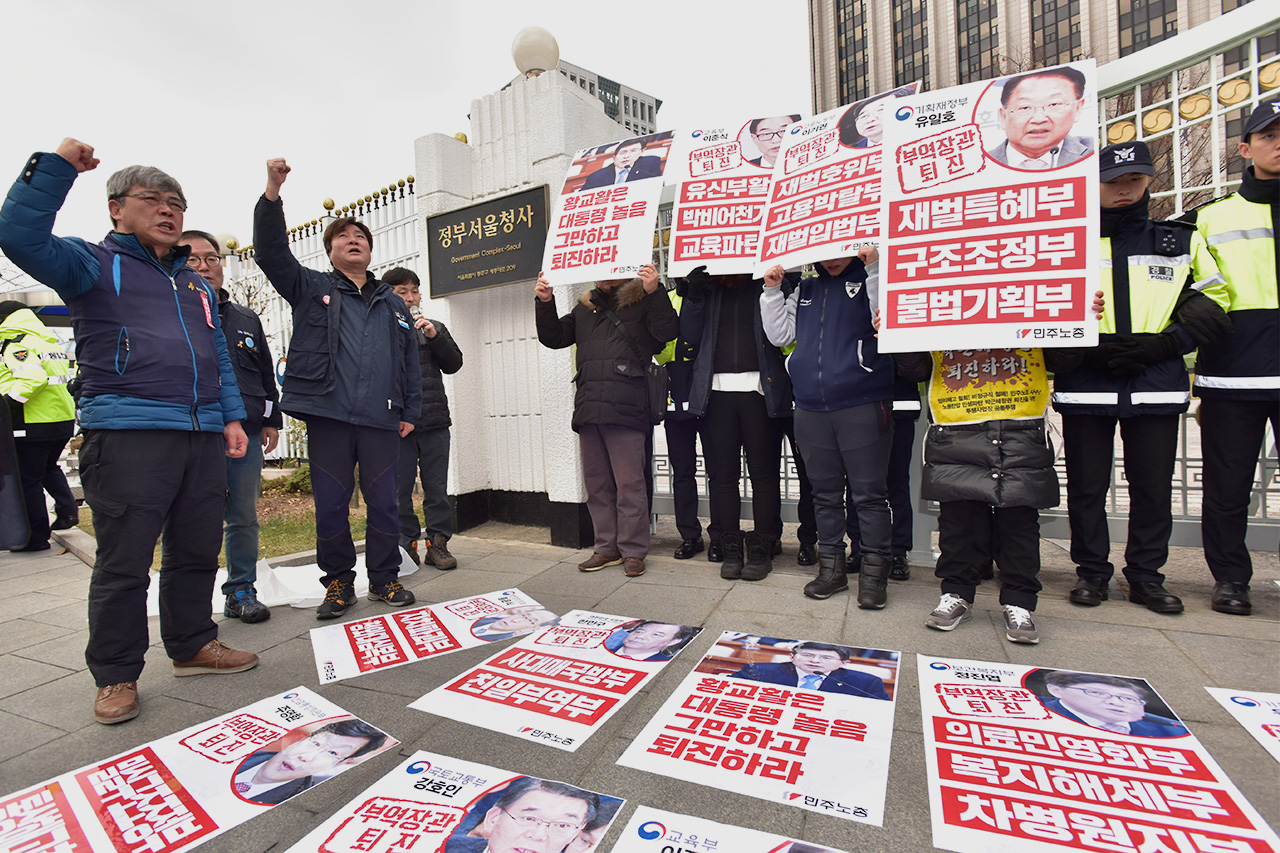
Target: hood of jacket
column 616, row 297
column 25, row 322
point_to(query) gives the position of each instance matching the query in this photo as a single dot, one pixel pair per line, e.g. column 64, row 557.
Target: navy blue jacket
column 1151, row 725
column 698, row 325
column 349, row 360
column 148, row 338
column 254, row 367
column 836, row 363
column 844, row 681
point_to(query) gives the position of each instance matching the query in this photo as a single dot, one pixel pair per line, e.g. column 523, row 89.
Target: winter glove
column 1099, row 357
column 1202, row 318
column 1134, row 355
column 696, row 284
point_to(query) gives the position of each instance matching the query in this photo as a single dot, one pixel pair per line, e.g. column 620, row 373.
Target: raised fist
column 543, row 290
column 77, row 154
column 277, row 171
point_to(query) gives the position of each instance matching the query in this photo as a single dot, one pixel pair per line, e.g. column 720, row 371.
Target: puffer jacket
column 438, row 356
column 1003, row 463
column 611, row 388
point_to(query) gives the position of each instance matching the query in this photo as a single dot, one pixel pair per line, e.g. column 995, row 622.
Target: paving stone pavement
column 46, row 693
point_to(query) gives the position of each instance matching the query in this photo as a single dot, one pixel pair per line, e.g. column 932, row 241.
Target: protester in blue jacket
column 159, row 407
column 352, row 374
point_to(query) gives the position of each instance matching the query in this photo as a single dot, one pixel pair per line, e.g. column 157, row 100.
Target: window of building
column 851, row 50
column 977, row 42
column 1055, row 32
column 573, row 77
column 1145, row 22
column 626, row 104
column 591, row 87
column 910, row 42
column 651, row 112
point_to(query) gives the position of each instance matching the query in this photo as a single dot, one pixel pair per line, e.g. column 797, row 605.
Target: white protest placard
column 990, row 214
column 1024, row 759
column 1258, row 712
column 395, row 639
column 824, row 201
column 563, row 682
column 437, row 804
column 723, row 175
column 653, row 830
column 802, row 723
column 603, row 219
column 178, row 792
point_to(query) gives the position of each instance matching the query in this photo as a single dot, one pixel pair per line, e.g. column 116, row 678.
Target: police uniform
column 1153, row 273
column 1238, row 378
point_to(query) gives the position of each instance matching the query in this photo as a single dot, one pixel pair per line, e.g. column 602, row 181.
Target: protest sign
column 1026, row 759
column 382, row 642
column 177, row 792
column 824, row 201
column 437, row 804
column 723, row 173
column 990, row 214
column 602, row 227
column 800, row 723
column 656, row 831
column 1258, row 712
column 562, row 683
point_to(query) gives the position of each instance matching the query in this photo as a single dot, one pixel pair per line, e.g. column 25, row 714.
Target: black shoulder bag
column 655, row 378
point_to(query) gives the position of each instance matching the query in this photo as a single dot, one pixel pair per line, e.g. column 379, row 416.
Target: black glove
column 1099, row 357
column 1124, row 357
column 1202, row 318
column 696, row 284
column 1133, row 355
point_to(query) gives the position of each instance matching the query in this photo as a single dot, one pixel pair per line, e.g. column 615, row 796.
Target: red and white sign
column 1028, row 759
column 560, row 684
column 989, row 214
column 382, row 642
column 824, row 201
column 602, row 225
column 723, row 175
column 436, row 803
column 653, row 830
column 1257, row 711
column 741, row 722
column 178, row 792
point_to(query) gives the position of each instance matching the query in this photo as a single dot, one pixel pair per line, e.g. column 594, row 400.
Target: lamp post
column 535, row 50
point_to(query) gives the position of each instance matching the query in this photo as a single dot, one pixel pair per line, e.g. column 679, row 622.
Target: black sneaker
column 731, row 567
column 243, row 604
column 899, row 568
column 338, row 596
column 759, row 560
column 65, row 522
column 392, row 593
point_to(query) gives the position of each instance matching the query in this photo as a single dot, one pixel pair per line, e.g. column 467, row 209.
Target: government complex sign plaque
column 489, row 244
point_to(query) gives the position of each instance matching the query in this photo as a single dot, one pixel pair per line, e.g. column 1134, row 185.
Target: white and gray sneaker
column 1018, row 627
column 950, row 612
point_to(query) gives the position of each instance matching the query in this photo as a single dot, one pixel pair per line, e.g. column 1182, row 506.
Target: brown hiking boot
column 438, row 554
column 598, row 562
column 216, row 658
column 116, row 703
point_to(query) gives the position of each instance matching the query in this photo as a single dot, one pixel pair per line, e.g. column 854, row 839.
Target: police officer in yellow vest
column 1238, row 378
column 34, row 372
column 1154, row 276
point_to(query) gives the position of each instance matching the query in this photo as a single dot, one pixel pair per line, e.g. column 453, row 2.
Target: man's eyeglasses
column 210, row 261
column 1102, row 694
column 770, row 135
column 172, row 202
column 1057, row 108
column 558, row 827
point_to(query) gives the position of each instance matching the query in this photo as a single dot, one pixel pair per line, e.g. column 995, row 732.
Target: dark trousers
column 55, row 483
column 899, row 484
column 425, row 453
column 336, row 447
column 613, row 463
column 972, row 533
column 849, row 448
column 35, row 458
column 1232, row 434
column 739, row 422
column 143, row 485
column 1150, row 444
column 808, row 532
column 682, row 455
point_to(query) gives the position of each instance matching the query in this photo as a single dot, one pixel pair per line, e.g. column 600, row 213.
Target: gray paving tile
column 21, row 674
column 21, row 634
column 19, row 735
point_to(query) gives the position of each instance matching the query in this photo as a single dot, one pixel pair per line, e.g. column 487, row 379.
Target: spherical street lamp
column 535, row 51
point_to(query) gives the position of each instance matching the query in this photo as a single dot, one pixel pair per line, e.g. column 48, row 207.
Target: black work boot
column 873, row 582
column 759, row 556
column 831, row 577
column 731, row 543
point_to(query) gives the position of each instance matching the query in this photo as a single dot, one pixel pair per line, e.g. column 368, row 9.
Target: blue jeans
column 244, row 485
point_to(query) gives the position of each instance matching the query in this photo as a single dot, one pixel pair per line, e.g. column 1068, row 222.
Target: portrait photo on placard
column 1112, row 703
column 305, row 757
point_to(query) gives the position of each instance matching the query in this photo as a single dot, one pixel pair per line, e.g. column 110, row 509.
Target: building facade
column 947, row 42
column 631, row 108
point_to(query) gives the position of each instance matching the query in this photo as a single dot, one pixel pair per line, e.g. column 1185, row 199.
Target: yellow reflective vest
column 34, row 372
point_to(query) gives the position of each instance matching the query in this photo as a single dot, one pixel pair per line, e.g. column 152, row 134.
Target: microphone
column 422, row 336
